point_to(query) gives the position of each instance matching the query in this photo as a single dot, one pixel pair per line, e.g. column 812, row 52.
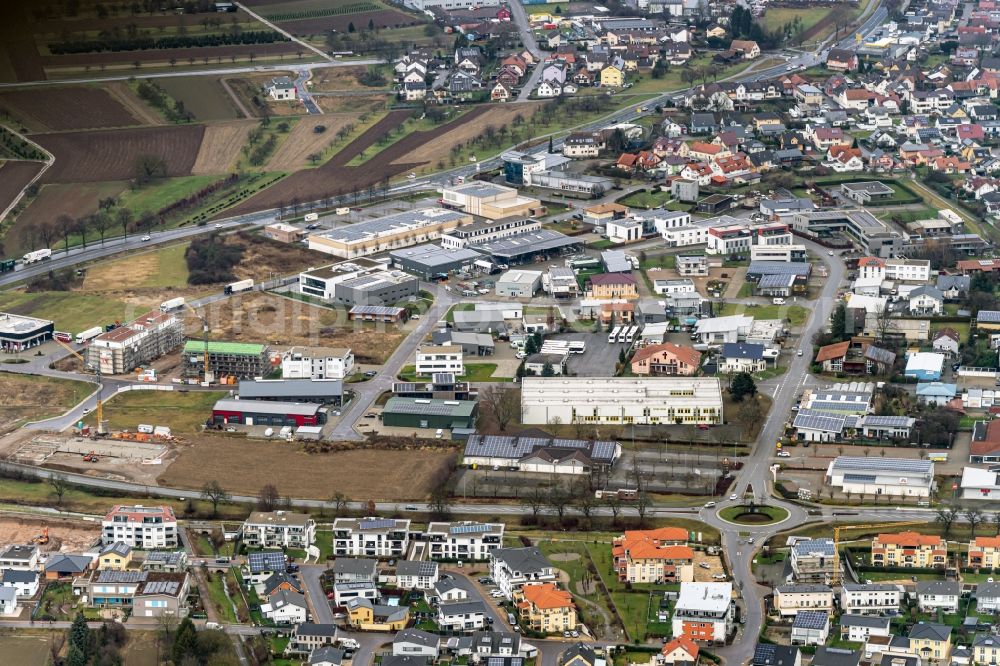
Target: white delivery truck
column 311, row 217
column 237, row 287
column 37, row 255
column 344, row 210
column 172, row 304
column 89, row 334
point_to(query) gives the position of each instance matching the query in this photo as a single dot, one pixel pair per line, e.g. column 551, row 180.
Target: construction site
column 52, row 535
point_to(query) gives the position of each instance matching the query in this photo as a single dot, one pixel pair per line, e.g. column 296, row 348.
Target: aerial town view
column 499, row 333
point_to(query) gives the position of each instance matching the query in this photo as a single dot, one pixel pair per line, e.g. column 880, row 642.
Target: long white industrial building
column 621, row 400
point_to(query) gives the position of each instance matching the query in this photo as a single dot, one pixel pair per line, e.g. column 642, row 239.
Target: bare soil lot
column 84, row 157
column 293, row 153
column 381, row 475
column 386, row 18
column 69, row 108
column 14, row 177
column 64, row 535
column 30, row 398
column 220, row 146
column 265, row 318
column 353, row 104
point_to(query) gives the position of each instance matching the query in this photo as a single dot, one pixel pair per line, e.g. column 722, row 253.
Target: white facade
column 463, row 541
column 141, row 527
column 344, row 592
column 708, row 605
column 685, row 236
column 786, row 253
column 371, row 537
column 279, row 529
column 518, row 283
column 623, row 230
column 621, row 400
column 284, row 608
column 672, row 286
column 881, row 476
column 317, row 364
column 462, row 615
column 512, row 568
column 874, row 599
column 445, row 358
column 908, row 270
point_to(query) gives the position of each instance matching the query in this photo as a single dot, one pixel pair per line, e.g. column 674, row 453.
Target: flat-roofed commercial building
column 267, row 412
column 388, row 233
column 621, row 400
column 138, row 342
column 18, row 333
column 363, row 286
column 488, row 230
column 490, row 200
column 871, row 234
column 428, row 261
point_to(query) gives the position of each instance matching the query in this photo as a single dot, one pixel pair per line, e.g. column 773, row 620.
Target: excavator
column 835, row 579
column 42, row 538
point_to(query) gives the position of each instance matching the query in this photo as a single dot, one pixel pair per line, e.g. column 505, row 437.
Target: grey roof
column 515, row 448
column 988, row 316
column 927, row 290
column 431, row 255
column 778, row 268
column 895, row 660
column 397, row 222
column 801, row 588
column 111, row 576
column 944, row 587
column 988, row 590
column 492, row 642
column 19, row 576
column 266, row 407
column 19, row 552
column 749, row 351
column 283, row 598
column 769, row 654
column 526, row 243
column 826, row 656
column 870, row 587
column 805, row 619
column 266, row 561
column 879, row 355
column 356, row 566
column 7, row 594
column 316, row 629
column 417, row 636
column 415, row 568
column 776, row 281
column 430, row 407
column 167, row 557
column 960, row 282
column 931, row 631
column 408, row 660
column 870, row 621
column 68, row 563
column 326, row 654
column 912, row 466
column 986, row 640
column 118, row 547
column 464, row 606
column 446, row 585
column 577, row 650
column 524, row 560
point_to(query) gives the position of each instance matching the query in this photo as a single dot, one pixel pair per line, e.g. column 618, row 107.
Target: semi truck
column 172, row 304
column 37, row 255
column 89, row 334
column 237, row 287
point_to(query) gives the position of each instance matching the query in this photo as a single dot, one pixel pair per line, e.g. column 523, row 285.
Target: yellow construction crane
column 99, row 409
column 835, row 578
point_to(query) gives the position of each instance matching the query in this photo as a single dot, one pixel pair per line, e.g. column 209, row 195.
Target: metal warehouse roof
column 429, row 407
column 434, row 255
column 198, row 347
column 266, row 407
column 270, row 388
column 519, row 244
column 884, row 464
column 501, row 446
column 778, row 268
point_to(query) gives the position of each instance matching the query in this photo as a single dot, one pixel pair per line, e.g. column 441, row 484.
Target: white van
column 778, row 301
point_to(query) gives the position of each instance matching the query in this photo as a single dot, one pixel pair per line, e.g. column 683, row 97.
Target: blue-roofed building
column 742, row 357
column 936, row 393
column 810, row 628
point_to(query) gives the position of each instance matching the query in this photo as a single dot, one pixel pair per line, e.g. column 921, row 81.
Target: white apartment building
column 141, row 527
column 443, row 358
column 317, row 363
column 19, row 558
column 790, row 599
column 462, row 541
column 786, row 253
column 279, row 529
column 869, row 599
column 621, row 400
column 671, row 285
column 371, row 537
column 685, row 236
column 512, row 568
column 705, row 612
column 902, row 270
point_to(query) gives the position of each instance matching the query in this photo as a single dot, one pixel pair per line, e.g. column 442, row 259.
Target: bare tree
column 267, row 498
column 642, row 504
column 59, row 484
column 535, row 500
column 975, row 518
column 996, row 522
column 214, row 492
column 585, row 500
column 65, row 225
column 339, row 502
column 615, row 504
column 883, row 323
column 101, row 222
column 558, row 500
column 946, row 516
column 751, row 413
column 440, row 504
column 217, row 539
column 124, row 219
column 502, row 404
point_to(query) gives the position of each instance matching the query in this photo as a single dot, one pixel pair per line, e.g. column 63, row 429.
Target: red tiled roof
column 829, row 352
column 681, row 352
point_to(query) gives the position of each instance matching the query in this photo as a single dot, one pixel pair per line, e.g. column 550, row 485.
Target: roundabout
column 753, row 514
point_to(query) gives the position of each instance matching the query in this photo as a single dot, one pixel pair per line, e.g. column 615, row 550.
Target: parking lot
column 600, row 358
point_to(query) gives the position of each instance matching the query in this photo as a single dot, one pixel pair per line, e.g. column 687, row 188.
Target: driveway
column 310, row 575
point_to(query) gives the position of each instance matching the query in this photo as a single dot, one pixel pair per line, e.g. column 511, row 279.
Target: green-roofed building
column 429, row 413
column 226, row 359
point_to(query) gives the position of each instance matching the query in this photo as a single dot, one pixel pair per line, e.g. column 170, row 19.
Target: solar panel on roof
column 992, row 316
column 377, row 524
column 887, row 420
column 883, row 464
column 469, row 529
column 374, row 310
column 810, row 620
column 268, row 561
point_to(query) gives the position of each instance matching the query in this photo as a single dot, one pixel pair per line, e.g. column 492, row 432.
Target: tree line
column 141, row 43
column 210, row 260
column 15, row 146
column 157, row 97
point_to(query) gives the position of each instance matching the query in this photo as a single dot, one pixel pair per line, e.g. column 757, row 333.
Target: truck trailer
column 37, row 255
column 89, row 334
column 172, row 304
column 237, row 287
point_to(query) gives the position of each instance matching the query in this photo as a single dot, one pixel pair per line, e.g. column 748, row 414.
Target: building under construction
column 226, row 359
column 138, row 342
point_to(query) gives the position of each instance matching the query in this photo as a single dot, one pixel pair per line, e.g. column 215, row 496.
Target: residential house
column 988, row 597
column 742, row 357
column 115, row 556
column 416, row 575
column 511, row 568
column 141, row 527
column 926, row 300
column 309, row 636
column 984, row 553
column 545, row 608
column 747, row 49
column 769, row 654
column 21, row 557
column 812, row 560
column 326, row 656
column 613, row 286
column 986, row 649
column 909, row 549
column 612, row 77
column 869, row 598
column 501, row 92
column 653, row 556
column 859, row 628
column 931, row 642
column 461, row 615
column 446, row 590
column 954, row 287
column 666, row 359
column 365, row 615
column 66, row 566
column 810, row 628
column 279, row 529
column 354, row 570
column 8, row 602
column 828, row 656
column 946, row 341
column 371, row 537
column 284, row 607
column 704, row 612
column 935, row 595
column 416, row 643
column 792, row 598
column 24, row 583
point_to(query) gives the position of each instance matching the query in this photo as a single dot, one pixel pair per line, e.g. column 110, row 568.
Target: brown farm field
column 14, row 177
column 53, row 200
column 303, row 140
column 203, row 96
column 283, row 322
column 83, row 157
column 375, row 474
column 353, row 104
column 383, row 18
column 220, row 146
column 27, row 397
column 69, row 108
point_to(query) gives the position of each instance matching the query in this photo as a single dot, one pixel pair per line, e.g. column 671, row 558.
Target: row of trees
column 142, row 43
column 155, row 96
column 948, row 514
column 14, row 146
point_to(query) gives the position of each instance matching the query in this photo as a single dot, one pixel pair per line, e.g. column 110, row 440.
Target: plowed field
column 303, row 141
column 14, row 176
column 70, row 108
column 87, row 157
column 220, row 147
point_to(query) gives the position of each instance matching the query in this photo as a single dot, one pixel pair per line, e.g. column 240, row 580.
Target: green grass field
column 153, row 197
column 776, row 17
column 474, row 372
column 795, row 314
column 203, row 96
column 71, row 311
column 646, row 199
column 217, row 595
column 183, row 412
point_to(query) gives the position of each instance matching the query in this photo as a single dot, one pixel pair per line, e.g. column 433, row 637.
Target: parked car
column 784, row 454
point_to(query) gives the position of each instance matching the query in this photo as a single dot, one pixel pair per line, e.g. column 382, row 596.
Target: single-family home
column 946, row 341
column 25, row 583
column 859, row 628
column 742, row 357
column 666, row 359
column 416, row 643
column 810, row 628
column 934, row 595
column 461, row 615
column 284, row 607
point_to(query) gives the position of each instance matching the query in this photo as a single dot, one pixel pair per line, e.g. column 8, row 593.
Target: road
column 305, row 45
column 520, row 18
column 302, row 90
